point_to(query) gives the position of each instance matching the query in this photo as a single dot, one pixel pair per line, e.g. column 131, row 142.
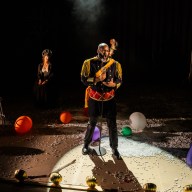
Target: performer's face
column 104, row 53
column 46, row 58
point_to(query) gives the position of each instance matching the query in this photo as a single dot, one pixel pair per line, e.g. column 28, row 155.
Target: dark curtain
column 155, row 39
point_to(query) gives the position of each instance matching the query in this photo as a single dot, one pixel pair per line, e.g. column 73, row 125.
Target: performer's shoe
column 116, row 154
column 86, row 150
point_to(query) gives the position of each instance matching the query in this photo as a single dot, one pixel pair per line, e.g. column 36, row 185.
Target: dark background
column 155, row 43
column 155, row 40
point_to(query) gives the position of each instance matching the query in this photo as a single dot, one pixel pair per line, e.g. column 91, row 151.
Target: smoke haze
column 88, row 11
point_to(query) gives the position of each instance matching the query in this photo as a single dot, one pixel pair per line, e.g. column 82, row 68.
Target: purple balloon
column 189, row 156
column 96, row 134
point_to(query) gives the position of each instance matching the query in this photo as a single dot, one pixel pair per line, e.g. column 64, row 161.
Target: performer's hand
column 110, row 83
column 44, row 82
column 100, row 78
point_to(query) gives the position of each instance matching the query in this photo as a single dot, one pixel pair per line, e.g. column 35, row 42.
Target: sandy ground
column 168, row 111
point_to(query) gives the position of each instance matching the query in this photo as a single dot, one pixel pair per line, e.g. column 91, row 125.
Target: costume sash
column 104, row 68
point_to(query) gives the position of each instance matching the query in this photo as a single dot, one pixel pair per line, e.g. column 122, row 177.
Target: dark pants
column 108, row 110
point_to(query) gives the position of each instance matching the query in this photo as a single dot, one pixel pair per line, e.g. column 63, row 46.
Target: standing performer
column 103, row 76
column 44, row 82
column 112, row 49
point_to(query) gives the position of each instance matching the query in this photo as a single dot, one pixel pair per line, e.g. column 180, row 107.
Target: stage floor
column 157, row 154
column 141, row 163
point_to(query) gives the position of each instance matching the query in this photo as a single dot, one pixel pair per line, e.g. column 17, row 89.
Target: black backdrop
column 155, row 39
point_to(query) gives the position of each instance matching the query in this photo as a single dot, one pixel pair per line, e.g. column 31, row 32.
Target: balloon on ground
column 137, row 121
column 65, row 117
column 96, row 134
column 126, row 131
column 189, row 156
column 23, row 124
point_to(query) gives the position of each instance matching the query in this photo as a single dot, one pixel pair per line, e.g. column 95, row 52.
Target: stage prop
column 65, row 117
column 23, row 124
column 137, row 121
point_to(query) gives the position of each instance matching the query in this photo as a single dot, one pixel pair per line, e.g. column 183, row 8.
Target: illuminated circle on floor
column 148, row 164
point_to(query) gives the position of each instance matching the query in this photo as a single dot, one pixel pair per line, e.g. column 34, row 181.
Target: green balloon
column 126, row 131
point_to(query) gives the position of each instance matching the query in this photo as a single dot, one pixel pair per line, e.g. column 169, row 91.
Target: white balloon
column 137, row 121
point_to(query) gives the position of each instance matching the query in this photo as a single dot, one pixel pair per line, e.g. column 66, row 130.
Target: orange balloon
column 65, row 117
column 23, row 124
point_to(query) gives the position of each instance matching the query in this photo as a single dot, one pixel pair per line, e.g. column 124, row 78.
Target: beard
column 103, row 57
